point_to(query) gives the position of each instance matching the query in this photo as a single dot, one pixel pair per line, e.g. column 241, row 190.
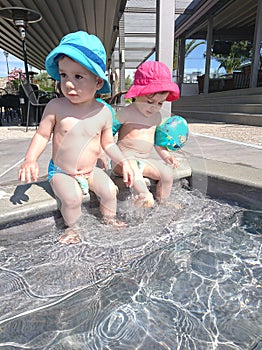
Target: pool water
column 182, row 277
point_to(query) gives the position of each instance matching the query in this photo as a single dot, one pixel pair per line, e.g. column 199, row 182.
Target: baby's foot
column 113, row 221
column 70, row 236
column 144, row 200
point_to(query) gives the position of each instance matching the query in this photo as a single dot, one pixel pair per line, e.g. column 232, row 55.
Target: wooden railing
column 239, row 80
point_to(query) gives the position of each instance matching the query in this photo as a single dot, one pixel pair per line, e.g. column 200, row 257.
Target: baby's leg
column 105, row 189
column 156, row 170
column 144, row 197
column 69, row 193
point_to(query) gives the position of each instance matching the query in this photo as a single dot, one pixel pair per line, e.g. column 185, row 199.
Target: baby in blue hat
column 80, row 127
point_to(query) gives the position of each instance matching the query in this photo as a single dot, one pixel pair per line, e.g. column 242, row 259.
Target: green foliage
column 239, row 53
column 44, row 81
column 128, row 82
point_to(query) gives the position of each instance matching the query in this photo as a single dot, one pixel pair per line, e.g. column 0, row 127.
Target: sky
column 13, row 62
column 194, row 62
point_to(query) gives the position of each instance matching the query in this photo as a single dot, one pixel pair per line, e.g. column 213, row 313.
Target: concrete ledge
column 241, row 174
column 234, row 182
column 27, row 201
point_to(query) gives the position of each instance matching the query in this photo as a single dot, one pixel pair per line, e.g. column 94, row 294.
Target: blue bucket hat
column 84, row 48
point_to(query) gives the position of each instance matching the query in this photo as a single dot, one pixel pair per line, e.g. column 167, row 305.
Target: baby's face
column 150, row 104
column 78, row 84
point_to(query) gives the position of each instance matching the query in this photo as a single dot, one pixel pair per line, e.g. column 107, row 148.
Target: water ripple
column 175, row 279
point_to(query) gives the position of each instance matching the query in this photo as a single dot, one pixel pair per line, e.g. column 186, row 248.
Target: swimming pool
column 184, row 277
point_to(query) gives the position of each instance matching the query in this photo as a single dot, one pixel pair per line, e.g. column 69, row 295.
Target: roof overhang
column 60, row 17
column 99, row 17
column 232, row 20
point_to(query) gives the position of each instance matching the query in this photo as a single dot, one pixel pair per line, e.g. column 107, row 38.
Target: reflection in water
column 186, row 276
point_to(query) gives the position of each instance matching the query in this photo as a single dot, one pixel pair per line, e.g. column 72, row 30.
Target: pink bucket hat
column 152, row 77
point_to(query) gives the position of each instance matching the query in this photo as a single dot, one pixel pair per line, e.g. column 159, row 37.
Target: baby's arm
column 29, row 169
column 103, row 161
column 167, row 156
column 112, row 150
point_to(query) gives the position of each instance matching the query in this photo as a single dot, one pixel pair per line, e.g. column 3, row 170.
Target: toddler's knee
column 167, row 176
column 72, row 201
column 114, row 190
column 110, row 192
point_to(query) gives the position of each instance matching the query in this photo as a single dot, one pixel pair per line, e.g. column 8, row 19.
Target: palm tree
column 189, row 47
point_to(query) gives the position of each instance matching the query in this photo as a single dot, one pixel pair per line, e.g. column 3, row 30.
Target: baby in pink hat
column 136, row 137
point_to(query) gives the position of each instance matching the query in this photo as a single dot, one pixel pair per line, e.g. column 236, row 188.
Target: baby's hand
column 29, row 171
column 128, row 174
column 171, row 160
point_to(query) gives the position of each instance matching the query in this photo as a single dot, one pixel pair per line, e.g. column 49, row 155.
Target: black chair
column 36, row 100
column 2, row 92
column 11, row 105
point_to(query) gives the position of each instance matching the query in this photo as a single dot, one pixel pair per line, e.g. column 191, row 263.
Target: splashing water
column 184, row 276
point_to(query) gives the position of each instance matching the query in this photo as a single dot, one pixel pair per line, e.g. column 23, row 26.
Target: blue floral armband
column 172, row 134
